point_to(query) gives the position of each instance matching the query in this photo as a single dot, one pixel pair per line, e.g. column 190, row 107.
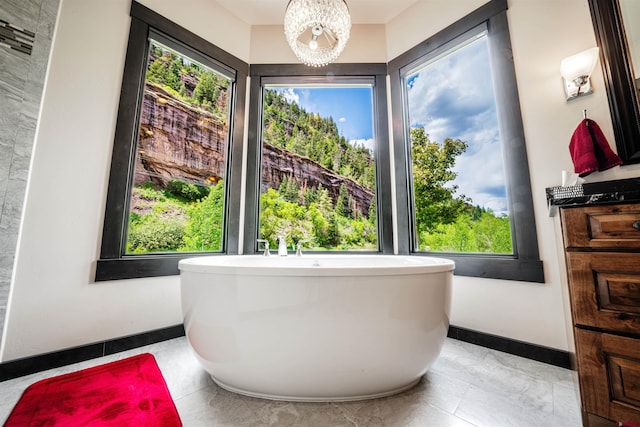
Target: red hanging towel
column 590, row 150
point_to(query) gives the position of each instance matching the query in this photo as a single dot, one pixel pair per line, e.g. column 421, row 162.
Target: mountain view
column 317, row 186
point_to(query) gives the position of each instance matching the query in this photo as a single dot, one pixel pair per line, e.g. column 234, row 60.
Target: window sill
column 488, row 267
column 139, row 266
column 494, row 266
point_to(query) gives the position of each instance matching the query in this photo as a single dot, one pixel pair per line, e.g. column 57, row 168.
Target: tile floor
column 467, row 386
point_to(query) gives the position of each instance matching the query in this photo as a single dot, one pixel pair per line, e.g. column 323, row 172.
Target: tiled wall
column 21, row 83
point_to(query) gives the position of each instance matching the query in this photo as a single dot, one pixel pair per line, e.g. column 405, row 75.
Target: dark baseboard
column 42, row 362
column 547, row 355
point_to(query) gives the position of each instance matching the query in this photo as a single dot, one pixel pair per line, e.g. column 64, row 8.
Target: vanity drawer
column 609, row 374
column 602, row 227
column 605, row 290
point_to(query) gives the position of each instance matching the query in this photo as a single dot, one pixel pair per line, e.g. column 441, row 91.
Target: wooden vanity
column 602, row 249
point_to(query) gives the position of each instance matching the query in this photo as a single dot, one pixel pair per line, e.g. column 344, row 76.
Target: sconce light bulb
column 576, row 70
column 581, row 80
column 313, row 44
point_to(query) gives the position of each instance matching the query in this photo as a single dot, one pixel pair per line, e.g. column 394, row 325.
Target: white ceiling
column 271, row 12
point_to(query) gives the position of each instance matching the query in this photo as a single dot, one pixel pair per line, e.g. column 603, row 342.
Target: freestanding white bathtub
column 316, row 327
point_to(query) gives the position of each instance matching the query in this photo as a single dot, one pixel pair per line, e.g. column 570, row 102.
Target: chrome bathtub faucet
column 266, row 246
column 298, row 247
column 282, row 246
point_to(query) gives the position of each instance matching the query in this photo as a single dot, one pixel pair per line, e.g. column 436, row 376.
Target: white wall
column 54, row 305
column 424, row 19
column 367, row 43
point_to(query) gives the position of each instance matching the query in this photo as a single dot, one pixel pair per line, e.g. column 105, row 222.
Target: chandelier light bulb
column 317, row 30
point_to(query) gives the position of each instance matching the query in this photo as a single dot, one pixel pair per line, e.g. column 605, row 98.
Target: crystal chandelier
column 317, row 30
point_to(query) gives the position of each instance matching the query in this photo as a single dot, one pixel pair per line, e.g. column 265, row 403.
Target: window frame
column 113, row 262
column 293, row 74
column 524, row 264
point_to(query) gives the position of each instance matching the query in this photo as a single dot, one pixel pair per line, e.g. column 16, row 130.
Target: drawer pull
column 636, row 225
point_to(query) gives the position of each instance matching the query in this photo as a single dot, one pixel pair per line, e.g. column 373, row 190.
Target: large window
column 318, row 154
column 318, row 174
column 176, row 137
column 177, row 199
column 465, row 192
column 451, row 109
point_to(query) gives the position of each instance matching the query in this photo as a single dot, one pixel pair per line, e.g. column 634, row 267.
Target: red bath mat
column 128, row 392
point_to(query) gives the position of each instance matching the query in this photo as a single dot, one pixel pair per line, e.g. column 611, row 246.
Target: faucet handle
column 299, row 247
column 266, row 246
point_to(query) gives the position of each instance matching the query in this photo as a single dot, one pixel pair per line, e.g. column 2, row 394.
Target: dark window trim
column 525, row 264
column 113, row 263
column 622, row 88
column 333, row 73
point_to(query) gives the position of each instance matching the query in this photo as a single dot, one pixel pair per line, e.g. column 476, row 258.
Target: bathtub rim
column 295, row 266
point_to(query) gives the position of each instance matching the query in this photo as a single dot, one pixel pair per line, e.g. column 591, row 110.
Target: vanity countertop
column 593, row 193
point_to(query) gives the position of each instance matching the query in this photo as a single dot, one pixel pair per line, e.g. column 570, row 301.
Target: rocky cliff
column 180, row 141
column 278, row 163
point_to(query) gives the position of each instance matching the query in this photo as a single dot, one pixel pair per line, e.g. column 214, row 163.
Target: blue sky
column 450, row 97
column 350, row 107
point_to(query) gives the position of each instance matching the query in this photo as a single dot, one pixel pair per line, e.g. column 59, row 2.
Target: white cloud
column 342, row 119
column 453, row 98
column 481, row 176
column 291, row 96
column 367, row 143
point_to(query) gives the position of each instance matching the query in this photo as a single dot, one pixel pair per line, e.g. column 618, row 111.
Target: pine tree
column 373, row 209
column 343, row 205
column 292, row 191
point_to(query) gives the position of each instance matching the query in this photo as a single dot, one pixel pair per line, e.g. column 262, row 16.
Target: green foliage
column 279, row 217
column 186, row 190
column 331, row 238
column 344, row 203
column 373, row 210
column 161, row 225
column 207, row 90
column 169, row 71
column 157, row 72
column 289, row 189
column 477, row 230
column 318, row 224
column 203, row 231
column 150, row 191
column 153, row 233
column 435, row 203
column 184, row 217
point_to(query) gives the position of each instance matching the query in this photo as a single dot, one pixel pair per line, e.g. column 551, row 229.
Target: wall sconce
column 576, row 70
